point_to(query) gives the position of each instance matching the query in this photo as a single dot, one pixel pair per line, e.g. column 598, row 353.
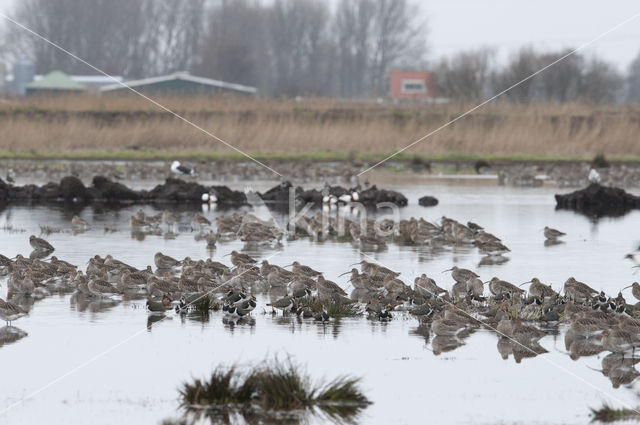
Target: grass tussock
column 610, row 414
column 334, row 309
column 273, row 386
column 204, row 304
column 128, row 127
column 47, row 230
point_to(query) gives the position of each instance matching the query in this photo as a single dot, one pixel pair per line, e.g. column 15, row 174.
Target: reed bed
column 128, row 126
column 272, row 388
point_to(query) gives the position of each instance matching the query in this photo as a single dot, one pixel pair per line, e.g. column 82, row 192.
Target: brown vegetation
column 313, row 127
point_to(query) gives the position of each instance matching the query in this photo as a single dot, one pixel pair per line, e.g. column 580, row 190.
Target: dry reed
column 314, row 127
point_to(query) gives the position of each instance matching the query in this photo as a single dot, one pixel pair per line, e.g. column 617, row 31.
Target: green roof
column 56, row 80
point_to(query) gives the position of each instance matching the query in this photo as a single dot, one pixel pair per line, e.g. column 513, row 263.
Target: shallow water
column 83, row 363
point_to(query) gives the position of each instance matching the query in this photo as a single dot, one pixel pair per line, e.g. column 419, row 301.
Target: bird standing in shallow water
column 10, row 311
column 635, row 289
column 285, row 304
column 40, row 244
column 322, row 316
column 182, row 306
column 79, row 223
column 500, row 287
column 164, row 261
column 552, row 234
column 155, row 306
column 238, row 259
column 461, row 275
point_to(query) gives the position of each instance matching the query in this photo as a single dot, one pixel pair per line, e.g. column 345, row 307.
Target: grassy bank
column 201, row 155
column 89, row 127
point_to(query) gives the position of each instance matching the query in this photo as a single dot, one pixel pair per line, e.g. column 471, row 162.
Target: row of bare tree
column 285, row 47
column 530, row 75
column 293, row 47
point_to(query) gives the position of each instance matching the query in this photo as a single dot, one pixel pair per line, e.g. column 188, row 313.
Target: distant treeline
column 473, row 75
column 292, row 47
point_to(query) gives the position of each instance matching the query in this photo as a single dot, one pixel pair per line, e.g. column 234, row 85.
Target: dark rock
column 428, row 201
column 4, row 190
column 313, row 196
column 228, row 197
column 369, row 197
column 279, row 193
column 176, row 190
column 72, row 188
column 373, row 196
column 105, row 189
column 49, row 192
column 598, row 201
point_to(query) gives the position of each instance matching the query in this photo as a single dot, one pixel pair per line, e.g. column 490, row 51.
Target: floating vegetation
column 609, row 414
column 47, row 230
column 271, row 392
column 8, row 228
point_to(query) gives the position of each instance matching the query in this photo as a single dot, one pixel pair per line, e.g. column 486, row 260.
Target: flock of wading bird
column 598, row 322
column 368, row 234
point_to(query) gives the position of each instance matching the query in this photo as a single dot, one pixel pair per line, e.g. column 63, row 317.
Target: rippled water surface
column 104, row 363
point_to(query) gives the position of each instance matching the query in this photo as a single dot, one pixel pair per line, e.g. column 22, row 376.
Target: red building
column 412, row 85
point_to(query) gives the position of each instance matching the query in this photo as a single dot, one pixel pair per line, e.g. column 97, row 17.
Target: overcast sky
column 553, row 24
column 507, row 24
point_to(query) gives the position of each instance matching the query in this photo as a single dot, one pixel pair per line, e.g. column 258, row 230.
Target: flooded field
column 109, row 361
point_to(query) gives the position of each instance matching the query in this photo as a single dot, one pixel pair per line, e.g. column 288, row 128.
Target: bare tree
column 234, row 47
column 521, row 65
column 601, row 82
column 174, row 29
column 130, row 37
column 397, row 39
column 561, row 81
column 465, row 76
column 353, row 29
column 298, row 38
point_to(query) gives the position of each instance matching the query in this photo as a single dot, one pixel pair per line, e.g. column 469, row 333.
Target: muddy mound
column 102, row 189
column 315, row 196
column 278, row 194
column 428, row 201
column 73, row 189
column 374, row 196
column 369, row 197
column 105, row 189
column 599, row 201
column 176, row 190
column 228, row 197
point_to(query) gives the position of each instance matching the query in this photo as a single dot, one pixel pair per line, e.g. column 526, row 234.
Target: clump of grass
column 334, row 309
column 47, row 230
column 610, row 414
column 600, row 161
column 270, row 388
column 10, row 229
column 479, row 164
column 205, row 304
